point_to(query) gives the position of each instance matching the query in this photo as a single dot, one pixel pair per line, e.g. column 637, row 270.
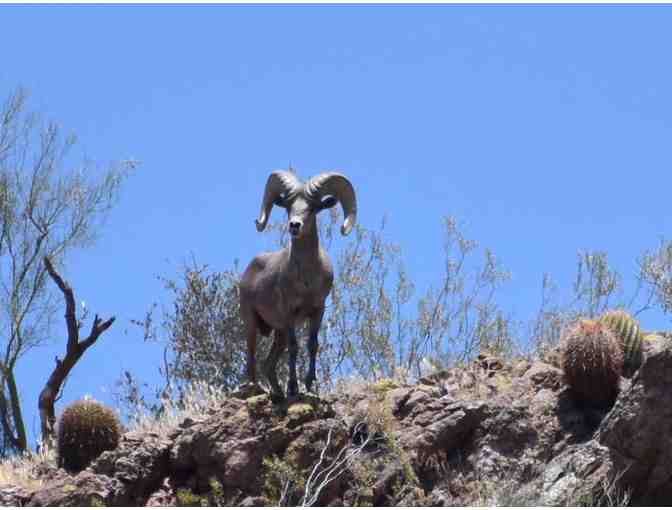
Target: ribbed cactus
column 629, row 334
column 657, row 336
column 592, row 362
column 86, row 429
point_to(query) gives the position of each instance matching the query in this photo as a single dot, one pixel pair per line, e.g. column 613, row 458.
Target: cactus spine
column 629, row 334
column 86, row 429
column 592, row 362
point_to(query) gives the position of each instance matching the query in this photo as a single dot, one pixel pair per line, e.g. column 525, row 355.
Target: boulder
column 85, row 489
column 11, row 495
column 637, row 430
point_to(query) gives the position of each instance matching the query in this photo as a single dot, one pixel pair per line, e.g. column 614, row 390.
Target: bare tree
column 49, row 204
column 74, row 351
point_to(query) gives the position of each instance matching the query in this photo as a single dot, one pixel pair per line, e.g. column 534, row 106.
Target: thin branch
column 74, row 351
column 70, row 316
column 321, row 477
column 97, row 329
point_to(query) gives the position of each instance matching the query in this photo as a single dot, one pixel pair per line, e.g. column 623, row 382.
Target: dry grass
column 199, row 399
column 502, row 493
column 20, row 469
column 357, row 384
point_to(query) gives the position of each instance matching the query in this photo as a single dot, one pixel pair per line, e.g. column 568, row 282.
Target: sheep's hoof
column 292, row 389
column 247, row 390
column 309, row 384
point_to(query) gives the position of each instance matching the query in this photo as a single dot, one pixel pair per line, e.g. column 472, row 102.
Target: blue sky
column 545, row 129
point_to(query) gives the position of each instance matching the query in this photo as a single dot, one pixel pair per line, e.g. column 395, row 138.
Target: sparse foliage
column 596, row 283
column 49, row 205
column 202, row 335
column 203, row 329
column 596, row 288
column 369, row 329
column 459, row 318
column 364, row 322
column 655, row 270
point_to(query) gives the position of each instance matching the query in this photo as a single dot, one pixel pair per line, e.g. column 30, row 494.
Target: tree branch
column 70, row 318
column 74, row 352
column 15, row 401
column 97, row 329
column 8, row 432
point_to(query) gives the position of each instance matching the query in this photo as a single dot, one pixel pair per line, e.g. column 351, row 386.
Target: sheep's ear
column 328, row 203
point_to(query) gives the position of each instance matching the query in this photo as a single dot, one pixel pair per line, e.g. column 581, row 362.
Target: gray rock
column 577, row 477
column 14, row 496
column 85, row 489
column 544, row 375
column 637, row 430
column 254, row 501
column 441, row 424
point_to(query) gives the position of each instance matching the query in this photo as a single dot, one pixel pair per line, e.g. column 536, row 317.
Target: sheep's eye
column 281, row 201
column 328, row 203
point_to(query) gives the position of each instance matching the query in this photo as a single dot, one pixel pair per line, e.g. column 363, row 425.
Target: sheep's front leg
column 270, row 370
column 292, row 385
column 314, row 328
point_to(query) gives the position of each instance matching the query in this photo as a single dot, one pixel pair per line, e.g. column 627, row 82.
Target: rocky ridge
column 494, row 433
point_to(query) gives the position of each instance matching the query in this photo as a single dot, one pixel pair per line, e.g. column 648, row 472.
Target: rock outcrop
column 495, row 433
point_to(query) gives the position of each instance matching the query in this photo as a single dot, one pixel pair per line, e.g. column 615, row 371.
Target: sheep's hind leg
column 251, row 333
column 314, row 328
column 270, row 365
column 292, row 385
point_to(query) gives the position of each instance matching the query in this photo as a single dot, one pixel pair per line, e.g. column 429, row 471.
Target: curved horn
column 339, row 187
column 279, row 183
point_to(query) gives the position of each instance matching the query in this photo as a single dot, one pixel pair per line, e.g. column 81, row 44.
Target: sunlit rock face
column 493, row 433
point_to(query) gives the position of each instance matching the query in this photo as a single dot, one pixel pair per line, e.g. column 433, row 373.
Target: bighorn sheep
column 279, row 290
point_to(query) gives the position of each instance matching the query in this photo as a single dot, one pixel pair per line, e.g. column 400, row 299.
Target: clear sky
column 545, row 129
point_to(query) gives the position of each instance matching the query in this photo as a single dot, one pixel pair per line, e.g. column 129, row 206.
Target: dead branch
column 322, row 475
column 74, row 351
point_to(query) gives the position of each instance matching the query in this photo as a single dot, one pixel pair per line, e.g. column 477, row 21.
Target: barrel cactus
column 656, row 336
column 592, row 362
column 86, row 429
column 629, row 334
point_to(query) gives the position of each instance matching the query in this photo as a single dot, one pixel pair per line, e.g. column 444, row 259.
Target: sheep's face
column 301, row 214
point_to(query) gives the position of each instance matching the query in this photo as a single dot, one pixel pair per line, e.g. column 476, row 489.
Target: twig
column 74, row 351
column 320, row 478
